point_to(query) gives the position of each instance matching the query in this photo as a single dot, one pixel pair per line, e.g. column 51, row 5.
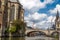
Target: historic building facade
column 57, row 21
column 10, row 10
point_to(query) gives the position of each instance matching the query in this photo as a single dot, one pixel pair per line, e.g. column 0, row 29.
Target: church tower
column 10, row 10
column 57, row 21
column 15, row 11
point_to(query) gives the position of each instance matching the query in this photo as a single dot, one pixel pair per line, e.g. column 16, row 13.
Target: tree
column 17, row 26
column 20, row 26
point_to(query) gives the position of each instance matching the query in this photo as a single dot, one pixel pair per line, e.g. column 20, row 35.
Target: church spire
column 57, row 15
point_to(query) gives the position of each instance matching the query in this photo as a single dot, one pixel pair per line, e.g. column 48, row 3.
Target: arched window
column 0, row 3
column 12, row 12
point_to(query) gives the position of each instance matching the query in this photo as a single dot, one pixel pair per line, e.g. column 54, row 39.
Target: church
column 57, row 21
column 10, row 10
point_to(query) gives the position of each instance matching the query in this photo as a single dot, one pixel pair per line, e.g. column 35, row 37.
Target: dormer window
column 0, row 3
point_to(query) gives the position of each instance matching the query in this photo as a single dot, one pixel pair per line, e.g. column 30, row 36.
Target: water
column 39, row 38
column 28, row 38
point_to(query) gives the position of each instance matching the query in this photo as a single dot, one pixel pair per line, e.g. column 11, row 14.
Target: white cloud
column 30, row 4
column 35, row 5
column 38, row 18
column 42, row 23
column 51, row 19
column 58, row 7
column 49, row 1
column 46, row 23
column 54, row 11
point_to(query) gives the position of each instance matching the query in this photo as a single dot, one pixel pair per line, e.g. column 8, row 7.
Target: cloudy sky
column 40, row 13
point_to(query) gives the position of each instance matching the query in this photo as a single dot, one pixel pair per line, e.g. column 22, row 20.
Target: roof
column 14, row 0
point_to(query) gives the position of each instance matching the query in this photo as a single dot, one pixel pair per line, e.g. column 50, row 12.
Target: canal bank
column 28, row 38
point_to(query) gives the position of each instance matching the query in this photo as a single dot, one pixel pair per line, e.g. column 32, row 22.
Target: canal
column 28, row 38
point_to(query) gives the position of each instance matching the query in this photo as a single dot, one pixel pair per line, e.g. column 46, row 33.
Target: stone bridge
column 47, row 32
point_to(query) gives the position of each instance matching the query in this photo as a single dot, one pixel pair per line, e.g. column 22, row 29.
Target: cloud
column 49, row 1
column 38, row 20
column 35, row 18
column 35, row 5
column 51, row 19
column 38, row 16
column 54, row 11
column 46, row 23
column 41, row 23
column 30, row 4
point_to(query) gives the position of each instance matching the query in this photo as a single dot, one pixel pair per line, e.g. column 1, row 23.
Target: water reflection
column 18, row 38
column 13, row 38
column 27, row 38
column 39, row 38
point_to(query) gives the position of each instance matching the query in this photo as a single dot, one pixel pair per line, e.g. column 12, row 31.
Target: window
column 12, row 12
column 0, row 3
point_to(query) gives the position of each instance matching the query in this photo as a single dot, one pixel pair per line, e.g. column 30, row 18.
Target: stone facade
column 57, row 21
column 10, row 10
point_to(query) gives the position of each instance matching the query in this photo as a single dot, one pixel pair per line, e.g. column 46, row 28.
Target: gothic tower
column 15, row 11
column 57, row 21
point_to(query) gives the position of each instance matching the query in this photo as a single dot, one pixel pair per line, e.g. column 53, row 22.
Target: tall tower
column 57, row 21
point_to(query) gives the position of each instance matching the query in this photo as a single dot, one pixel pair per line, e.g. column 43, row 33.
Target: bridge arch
column 35, row 33
column 54, row 33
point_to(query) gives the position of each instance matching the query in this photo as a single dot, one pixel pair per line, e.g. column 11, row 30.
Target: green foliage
column 17, row 26
column 12, row 29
